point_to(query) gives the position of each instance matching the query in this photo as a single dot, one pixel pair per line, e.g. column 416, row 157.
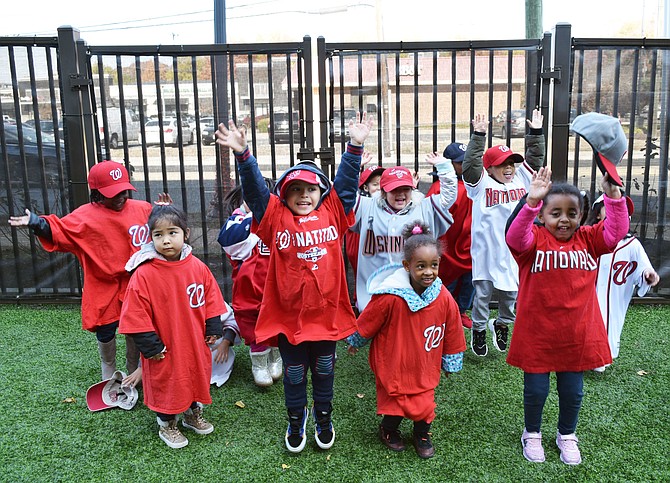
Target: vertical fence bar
column 561, row 109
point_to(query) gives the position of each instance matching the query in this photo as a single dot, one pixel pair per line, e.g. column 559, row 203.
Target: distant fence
column 154, row 108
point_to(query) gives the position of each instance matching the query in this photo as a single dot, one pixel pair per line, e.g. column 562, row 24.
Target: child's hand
column 651, row 277
column 360, row 130
column 536, row 122
column 366, row 158
column 232, row 137
column 351, row 350
column 609, row 188
column 157, row 357
column 134, row 379
column 20, row 220
column 221, row 352
column 480, row 124
column 210, row 339
column 539, row 186
column 435, row 158
column 164, row 199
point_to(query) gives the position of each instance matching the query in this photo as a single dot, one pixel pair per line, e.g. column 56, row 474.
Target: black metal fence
column 155, row 107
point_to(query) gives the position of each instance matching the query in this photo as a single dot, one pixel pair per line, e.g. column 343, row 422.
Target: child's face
column 117, row 203
column 302, row 197
column 372, row 184
column 398, row 198
column 458, row 167
column 168, row 239
column 503, row 173
column 422, row 267
column 560, row 215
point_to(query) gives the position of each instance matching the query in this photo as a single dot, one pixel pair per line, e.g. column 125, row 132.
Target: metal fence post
column 72, row 80
column 561, row 73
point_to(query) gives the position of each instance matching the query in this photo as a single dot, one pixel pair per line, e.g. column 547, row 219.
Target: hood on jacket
column 324, row 182
column 393, row 279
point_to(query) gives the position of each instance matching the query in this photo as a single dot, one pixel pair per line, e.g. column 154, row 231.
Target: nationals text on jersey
column 382, row 244
column 306, row 238
column 502, row 196
column 555, row 259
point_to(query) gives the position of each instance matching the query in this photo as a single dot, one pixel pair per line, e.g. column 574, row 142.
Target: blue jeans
column 319, row 358
column 570, row 387
column 463, row 291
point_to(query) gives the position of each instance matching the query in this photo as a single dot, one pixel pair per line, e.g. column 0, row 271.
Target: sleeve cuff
column 357, row 150
column 243, row 156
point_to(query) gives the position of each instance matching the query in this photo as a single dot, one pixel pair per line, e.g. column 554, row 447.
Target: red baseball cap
column 298, row 175
column 109, row 178
column 368, row 172
column 497, row 155
column 396, row 177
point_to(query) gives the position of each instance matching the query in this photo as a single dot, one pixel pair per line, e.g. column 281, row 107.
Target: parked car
column 170, row 132
column 517, row 124
column 115, row 127
column 207, row 130
column 46, row 126
column 280, row 128
column 34, row 164
column 349, row 114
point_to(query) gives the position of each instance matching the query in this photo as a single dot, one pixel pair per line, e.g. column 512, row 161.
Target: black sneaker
column 478, row 343
column 296, row 438
column 391, row 438
column 499, row 334
column 423, row 445
column 324, row 434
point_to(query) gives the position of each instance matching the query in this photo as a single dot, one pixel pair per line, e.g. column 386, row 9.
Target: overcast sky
column 191, row 22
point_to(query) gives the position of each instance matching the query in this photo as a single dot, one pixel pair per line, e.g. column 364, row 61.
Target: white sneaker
column 567, row 443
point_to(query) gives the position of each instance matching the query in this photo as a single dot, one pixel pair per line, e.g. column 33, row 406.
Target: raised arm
column 346, row 179
column 535, row 141
column 473, row 164
column 447, row 176
column 256, row 192
column 38, row 225
column 519, row 236
column 617, row 222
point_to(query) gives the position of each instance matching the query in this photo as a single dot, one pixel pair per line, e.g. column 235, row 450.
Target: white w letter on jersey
column 196, row 294
column 434, row 336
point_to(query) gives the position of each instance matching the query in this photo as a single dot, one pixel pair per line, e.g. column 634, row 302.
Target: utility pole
column 222, row 110
column 534, row 19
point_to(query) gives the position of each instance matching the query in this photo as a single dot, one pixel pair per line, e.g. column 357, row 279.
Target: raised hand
column 164, row 199
column 539, row 186
column 435, row 158
column 232, row 137
column 536, row 122
column 20, row 220
column 366, row 158
column 480, row 123
column 609, row 188
column 360, row 129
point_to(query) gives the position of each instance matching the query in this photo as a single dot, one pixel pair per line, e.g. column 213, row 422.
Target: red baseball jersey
column 306, row 296
column 406, row 351
column 102, row 240
column 174, row 299
column 558, row 325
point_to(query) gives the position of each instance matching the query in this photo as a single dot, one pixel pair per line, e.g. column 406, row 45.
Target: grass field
column 45, row 358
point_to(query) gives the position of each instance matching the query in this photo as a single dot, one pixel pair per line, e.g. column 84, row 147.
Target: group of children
column 290, row 294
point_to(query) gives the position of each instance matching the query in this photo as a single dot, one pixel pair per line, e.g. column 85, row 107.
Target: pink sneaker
column 532, row 446
column 567, row 443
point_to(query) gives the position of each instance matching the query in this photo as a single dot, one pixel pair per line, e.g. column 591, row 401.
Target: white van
column 115, row 129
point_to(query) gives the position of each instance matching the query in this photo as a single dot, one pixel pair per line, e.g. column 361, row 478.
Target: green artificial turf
column 45, row 358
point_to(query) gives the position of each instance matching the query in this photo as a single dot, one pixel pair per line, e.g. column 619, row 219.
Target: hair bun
column 417, row 230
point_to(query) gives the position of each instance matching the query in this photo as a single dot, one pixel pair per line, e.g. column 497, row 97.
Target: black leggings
column 107, row 332
column 170, row 417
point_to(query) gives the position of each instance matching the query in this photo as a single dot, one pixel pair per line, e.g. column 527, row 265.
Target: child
column 559, row 328
column 379, row 220
column 416, row 329
column 495, row 190
column 368, row 185
column 618, row 274
column 455, row 261
column 249, row 257
column 172, row 311
column 102, row 234
column 305, row 307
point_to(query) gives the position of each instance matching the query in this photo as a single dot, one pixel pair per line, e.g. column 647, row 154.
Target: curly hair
column 418, row 234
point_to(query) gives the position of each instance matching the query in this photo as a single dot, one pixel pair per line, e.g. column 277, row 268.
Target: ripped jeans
column 319, row 358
